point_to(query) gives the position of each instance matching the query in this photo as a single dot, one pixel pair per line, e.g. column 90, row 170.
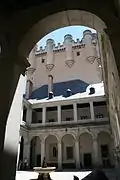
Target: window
column 68, row 118
column 54, row 152
column 105, row 155
column 24, row 114
column 40, row 121
column 84, row 117
column 69, row 153
column 43, row 60
column 99, row 115
column 104, row 151
column 87, row 160
column 78, row 53
column 51, row 120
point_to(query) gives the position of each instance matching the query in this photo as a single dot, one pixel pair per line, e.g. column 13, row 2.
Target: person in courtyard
column 44, row 164
column 25, row 164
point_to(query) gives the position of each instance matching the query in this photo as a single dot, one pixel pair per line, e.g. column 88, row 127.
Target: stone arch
column 51, row 23
column 35, row 152
column 86, row 132
column 32, row 136
column 86, row 150
column 51, row 150
column 55, row 135
column 105, row 149
column 69, row 133
column 68, row 151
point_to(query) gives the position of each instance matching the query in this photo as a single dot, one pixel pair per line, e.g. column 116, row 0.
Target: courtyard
column 25, row 175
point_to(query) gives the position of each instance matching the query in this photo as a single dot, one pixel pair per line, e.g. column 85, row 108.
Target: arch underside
column 59, row 20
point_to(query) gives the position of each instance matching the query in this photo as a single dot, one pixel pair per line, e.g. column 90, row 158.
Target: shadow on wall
column 8, row 158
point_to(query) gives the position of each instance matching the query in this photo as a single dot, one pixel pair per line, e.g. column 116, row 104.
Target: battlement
column 76, row 44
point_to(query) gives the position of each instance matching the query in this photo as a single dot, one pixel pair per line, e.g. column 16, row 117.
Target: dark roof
column 76, row 86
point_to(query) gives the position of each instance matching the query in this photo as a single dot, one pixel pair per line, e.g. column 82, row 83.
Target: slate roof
column 76, row 86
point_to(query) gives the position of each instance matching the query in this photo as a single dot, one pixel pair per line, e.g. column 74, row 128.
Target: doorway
column 87, row 160
column 105, row 155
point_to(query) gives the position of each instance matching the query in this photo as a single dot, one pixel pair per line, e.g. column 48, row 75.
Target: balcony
column 73, row 114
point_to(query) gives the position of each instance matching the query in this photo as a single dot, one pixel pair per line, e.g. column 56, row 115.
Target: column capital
column 59, row 140
column 77, row 139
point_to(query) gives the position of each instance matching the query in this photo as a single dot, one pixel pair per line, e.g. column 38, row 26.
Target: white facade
column 73, row 131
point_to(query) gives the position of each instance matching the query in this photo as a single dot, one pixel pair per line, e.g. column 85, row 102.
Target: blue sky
column 58, row 35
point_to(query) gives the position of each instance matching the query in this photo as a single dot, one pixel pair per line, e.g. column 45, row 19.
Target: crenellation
column 75, row 43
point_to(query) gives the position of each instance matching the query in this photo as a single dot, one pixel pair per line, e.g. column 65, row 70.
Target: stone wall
column 112, row 85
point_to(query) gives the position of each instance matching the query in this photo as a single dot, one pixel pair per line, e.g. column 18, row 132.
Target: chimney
column 68, row 93
column 92, row 91
column 50, row 96
column 29, row 86
column 50, row 84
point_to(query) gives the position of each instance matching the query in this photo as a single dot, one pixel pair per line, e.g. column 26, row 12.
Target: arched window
column 54, row 151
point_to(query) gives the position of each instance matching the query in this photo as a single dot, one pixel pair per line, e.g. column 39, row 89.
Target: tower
column 30, row 71
column 90, row 51
column 68, row 50
column 50, row 54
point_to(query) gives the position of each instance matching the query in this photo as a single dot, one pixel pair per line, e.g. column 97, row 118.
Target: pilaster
column 95, row 152
column 75, row 111
column 44, row 115
column 92, row 111
column 59, row 113
column 77, row 153
column 59, row 155
column 42, row 151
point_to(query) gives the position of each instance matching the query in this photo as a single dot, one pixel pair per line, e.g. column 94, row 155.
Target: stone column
column 18, row 154
column 29, row 115
column 92, row 111
column 10, row 114
column 44, row 115
column 59, row 113
column 95, row 153
column 42, row 151
column 26, row 150
column 75, row 111
column 77, row 153
column 59, row 155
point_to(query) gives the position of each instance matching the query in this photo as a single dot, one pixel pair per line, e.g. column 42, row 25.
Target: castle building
column 65, row 117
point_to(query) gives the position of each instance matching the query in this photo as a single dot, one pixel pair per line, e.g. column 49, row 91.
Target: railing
column 62, row 123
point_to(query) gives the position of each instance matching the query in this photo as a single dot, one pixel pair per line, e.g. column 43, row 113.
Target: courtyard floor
column 24, row 175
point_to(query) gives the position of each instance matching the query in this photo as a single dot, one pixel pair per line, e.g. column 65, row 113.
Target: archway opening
column 68, row 152
column 45, row 62
column 51, row 150
column 86, row 151
column 105, row 148
column 35, row 152
column 20, row 163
